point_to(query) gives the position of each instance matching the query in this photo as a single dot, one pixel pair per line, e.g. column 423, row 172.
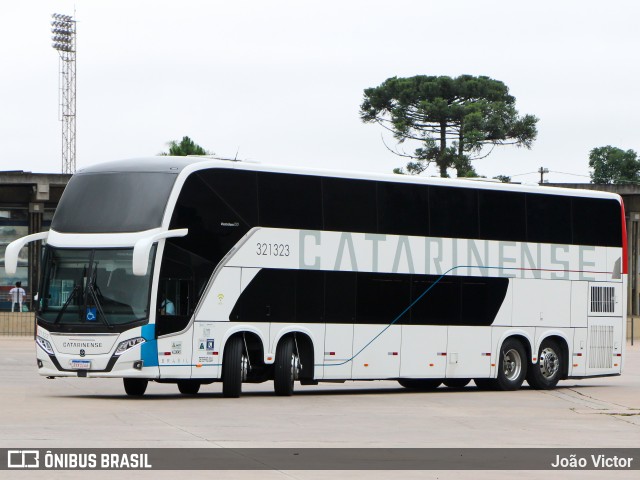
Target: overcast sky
column 281, row 81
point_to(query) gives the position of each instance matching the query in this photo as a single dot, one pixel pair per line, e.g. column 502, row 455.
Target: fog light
column 138, row 364
column 39, row 363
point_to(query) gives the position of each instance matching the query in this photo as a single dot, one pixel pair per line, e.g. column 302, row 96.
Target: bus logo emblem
column 82, row 352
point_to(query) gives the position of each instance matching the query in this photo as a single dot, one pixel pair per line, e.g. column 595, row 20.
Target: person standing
column 17, row 294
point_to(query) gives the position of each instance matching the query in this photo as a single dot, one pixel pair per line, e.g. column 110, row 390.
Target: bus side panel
column 338, row 351
column 207, row 340
column 578, row 360
column 541, row 303
column 174, row 355
column 218, row 301
column 422, row 352
column 579, row 303
column 468, row 352
column 376, row 350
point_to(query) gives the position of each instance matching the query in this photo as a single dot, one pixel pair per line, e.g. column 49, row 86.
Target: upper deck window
column 113, row 202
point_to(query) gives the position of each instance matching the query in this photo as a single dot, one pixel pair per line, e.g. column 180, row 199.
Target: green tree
column 184, row 148
column 454, row 119
column 503, row 178
column 614, row 165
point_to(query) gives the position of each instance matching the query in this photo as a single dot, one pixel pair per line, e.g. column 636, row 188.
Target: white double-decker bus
column 191, row 270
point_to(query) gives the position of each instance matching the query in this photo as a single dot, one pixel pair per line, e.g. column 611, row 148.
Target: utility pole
column 542, row 171
column 63, row 30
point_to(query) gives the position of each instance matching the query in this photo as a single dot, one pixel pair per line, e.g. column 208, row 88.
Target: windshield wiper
column 94, row 291
column 76, row 289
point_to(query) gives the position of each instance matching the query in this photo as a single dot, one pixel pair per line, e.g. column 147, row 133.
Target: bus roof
column 189, row 164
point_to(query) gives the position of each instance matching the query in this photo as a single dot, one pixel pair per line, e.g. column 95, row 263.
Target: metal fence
column 17, row 323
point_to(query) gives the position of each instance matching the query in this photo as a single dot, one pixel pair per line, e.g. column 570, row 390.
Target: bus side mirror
column 13, row 249
column 142, row 248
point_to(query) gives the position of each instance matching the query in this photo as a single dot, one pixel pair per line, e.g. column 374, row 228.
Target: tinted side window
column 270, row 297
column 214, row 218
column 440, row 305
column 481, row 298
column 290, row 201
column 381, row 298
column 237, row 190
column 349, row 205
column 453, row 212
column 403, row 209
column 502, row 215
column 309, row 296
column 597, row 222
column 548, row 219
column 456, row 300
column 340, row 297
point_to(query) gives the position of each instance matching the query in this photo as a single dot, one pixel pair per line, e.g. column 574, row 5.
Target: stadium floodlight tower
column 63, row 30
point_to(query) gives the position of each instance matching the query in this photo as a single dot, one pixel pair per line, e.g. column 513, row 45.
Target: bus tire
column 188, row 387
column 234, row 368
column 546, row 372
column 423, row 384
column 512, row 366
column 456, row 382
column 287, row 368
column 135, row 387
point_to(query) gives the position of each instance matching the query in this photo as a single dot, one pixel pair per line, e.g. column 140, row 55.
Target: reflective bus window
column 382, row 298
column 340, row 297
column 290, row 201
column 548, row 219
column 502, row 215
column 403, row 209
column 597, row 222
column 453, row 212
column 349, row 205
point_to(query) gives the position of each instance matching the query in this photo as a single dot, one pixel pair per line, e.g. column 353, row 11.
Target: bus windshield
column 93, row 287
column 113, row 202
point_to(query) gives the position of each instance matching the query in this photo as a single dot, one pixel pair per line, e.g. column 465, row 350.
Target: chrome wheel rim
column 512, row 364
column 244, row 368
column 549, row 363
column 295, row 367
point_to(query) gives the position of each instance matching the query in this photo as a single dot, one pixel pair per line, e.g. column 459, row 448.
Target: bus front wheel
column 234, row 368
column 188, row 387
column 546, row 372
column 287, row 368
column 135, row 386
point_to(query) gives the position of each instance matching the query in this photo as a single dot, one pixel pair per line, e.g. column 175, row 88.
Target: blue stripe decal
column 149, row 350
column 395, row 320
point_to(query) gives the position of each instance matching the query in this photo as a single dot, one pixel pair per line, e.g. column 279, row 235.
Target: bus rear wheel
column 188, row 387
column 546, row 373
column 235, row 366
column 287, row 368
column 135, row 387
column 512, row 366
column 423, row 384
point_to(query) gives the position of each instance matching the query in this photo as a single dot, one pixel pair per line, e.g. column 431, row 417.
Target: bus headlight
column 45, row 345
column 127, row 344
